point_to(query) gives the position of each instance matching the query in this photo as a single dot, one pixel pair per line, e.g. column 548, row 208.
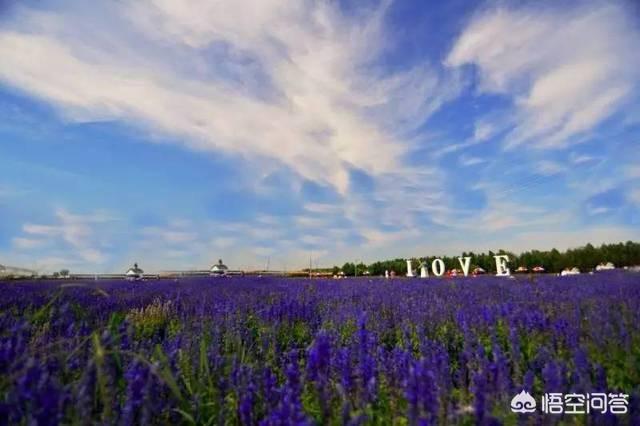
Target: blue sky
column 174, row 133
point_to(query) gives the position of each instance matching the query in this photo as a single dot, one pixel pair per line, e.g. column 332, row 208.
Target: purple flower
column 137, row 378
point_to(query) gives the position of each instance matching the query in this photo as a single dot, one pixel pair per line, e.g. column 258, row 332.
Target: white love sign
column 438, row 267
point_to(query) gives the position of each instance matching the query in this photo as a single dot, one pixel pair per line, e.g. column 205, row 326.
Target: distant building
column 478, row 271
column 219, row 269
column 522, row 269
column 10, row 271
column 538, row 269
column 134, row 273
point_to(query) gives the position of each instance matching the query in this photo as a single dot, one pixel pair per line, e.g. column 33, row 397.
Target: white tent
column 478, row 271
column 572, row 271
column 605, row 267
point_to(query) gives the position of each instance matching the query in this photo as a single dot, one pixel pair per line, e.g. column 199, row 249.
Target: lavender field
column 277, row 351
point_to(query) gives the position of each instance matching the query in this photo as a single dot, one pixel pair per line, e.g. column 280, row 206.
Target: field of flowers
column 277, row 351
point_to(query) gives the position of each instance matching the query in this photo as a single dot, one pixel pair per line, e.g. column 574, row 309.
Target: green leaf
column 188, row 417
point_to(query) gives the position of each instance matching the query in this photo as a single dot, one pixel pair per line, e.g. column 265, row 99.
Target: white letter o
column 437, row 271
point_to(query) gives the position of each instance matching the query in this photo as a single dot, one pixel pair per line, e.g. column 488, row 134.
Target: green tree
column 349, row 269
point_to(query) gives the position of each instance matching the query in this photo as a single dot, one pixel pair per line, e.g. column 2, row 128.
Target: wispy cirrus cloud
column 22, row 243
column 467, row 161
column 78, row 238
column 566, row 70
column 549, row 167
column 294, row 82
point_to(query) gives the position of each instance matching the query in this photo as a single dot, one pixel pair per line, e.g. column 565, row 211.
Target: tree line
column 585, row 258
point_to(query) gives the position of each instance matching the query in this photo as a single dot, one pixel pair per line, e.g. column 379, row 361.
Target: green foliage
column 154, row 319
column 399, row 266
column 41, row 316
column 105, row 396
column 349, row 269
column 294, row 335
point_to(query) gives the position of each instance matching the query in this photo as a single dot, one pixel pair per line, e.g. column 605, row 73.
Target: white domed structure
column 134, row 273
column 219, row 269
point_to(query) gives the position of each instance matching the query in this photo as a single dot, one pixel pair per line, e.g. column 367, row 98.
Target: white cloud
column 633, row 172
column 322, row 208
column 376, row 238
column 483, row 130
column 171, row 235
column 634, row 196
column 22, row 243
column 470, row 161
column 224, row 242
column 291, row 81
column 78, row 236
column 7, row 191
column 566, row 70
column 595, row 211
column 310, row 222
column 549, row 168
column 263, row 251
column 578, row 159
